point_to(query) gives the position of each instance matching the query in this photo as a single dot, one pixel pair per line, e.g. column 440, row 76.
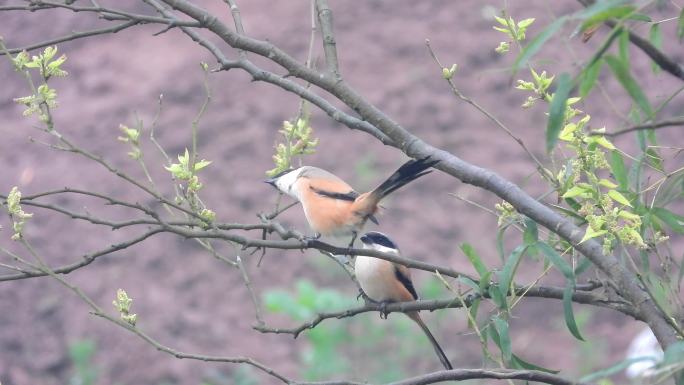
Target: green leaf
column 623, row 47
column 557, row 110
column 584, row 264
column 607, row 183
column 591, row 233
column 589, row 76
column 531, row 234
column 567, row 310
column 617, row 166
column 576, row 191
column 639, row 17
column 474, row 259
column 672, row 220
column 680, row 26
column 473, row 312
column 536, row 43
column 504, row 338
column 618, row 367
column 619, row 198
column 469, row 282
column 621, row 72
column 561, row 264
column 618, row 12
column 655, row 36
column 671, row 189
column 674, row 354
column 519, row 363
column 506, row 274
column 654, row 159
column 597, row 8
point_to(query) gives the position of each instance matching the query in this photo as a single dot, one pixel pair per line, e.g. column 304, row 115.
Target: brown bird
column 384, row 282
column 331, row 206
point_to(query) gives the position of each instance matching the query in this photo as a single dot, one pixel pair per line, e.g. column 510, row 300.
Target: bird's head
column 376, row 240
column 285, row 181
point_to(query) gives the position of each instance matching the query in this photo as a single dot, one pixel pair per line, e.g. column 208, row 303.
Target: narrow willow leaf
column 469, row 282
column 639, row 17
column 623, row 47
column 590, row 233
column 583, row 266
column 618, row 367
column 536, row 43
column 473, row 313
column 655, row 36
column 671, row 189
column 607, row 183
column 504, row 338
column 557, row 110
column 561, row 264
column 621, row 72
column 619, row 198
column 598, row 7
column 589, row 77
column 680, row 25
column 474, row 259
column 567, row 310
column 519, row 363
column 531, row 234
column 617, row 166
column 617, row 12
column 672, row 220
column 575, row 191
column 508, row 271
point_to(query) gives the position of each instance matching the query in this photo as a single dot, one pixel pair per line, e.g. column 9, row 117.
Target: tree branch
column 665, row 62
column 468, row 173
column 325, row 19
column 647, row 126
column 498, row 374
column 73, row 36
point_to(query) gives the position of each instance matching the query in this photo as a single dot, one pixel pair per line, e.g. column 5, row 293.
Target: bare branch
column 646, row 126
column 454, row 166
column 454, row 303
column 325, row 18
column 86, row 259
column 499, row 374
column 73, row 36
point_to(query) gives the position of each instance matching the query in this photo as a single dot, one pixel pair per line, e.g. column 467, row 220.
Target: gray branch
column 449, row 163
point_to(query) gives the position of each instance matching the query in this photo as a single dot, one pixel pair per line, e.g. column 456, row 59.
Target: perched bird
column 331, row 206
column 384, row 281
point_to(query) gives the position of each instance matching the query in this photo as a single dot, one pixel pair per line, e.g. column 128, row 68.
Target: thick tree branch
column 452, row 165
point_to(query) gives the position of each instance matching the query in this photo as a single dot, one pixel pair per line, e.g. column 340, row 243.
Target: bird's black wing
column 348, row 196
column 406, row 281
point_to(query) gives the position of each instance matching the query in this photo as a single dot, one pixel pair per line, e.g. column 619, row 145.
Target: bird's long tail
column 408, row 172
column 433, row 341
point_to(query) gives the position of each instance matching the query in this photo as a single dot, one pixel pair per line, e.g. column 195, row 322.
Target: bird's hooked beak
column 271, row 181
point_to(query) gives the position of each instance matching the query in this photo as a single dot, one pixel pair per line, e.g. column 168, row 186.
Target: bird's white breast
column 375, row 277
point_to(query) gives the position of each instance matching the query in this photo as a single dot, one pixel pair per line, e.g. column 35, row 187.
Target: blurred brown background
column 191, row 302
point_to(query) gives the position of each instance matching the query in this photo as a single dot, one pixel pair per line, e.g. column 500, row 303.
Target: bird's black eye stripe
column 278, row 175
column 380, row 239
